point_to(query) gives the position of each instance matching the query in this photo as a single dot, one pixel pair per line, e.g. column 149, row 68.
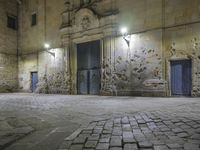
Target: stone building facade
column 162, row 36
column 8, row 48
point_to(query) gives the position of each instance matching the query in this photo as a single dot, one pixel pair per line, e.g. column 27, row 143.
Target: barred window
column 34, row 19
column 12, row 22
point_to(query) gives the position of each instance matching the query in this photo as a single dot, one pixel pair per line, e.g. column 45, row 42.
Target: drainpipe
column 18, row 5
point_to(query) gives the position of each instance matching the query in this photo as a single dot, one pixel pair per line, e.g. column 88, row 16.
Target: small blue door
column 181, row 78
column 34, row 80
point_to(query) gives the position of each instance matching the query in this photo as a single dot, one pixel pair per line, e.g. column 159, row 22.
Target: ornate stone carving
column 86, row 19
column 89, row 17
column 85, row 22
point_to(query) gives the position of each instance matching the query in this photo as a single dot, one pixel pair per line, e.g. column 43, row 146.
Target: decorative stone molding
column 85, row 19
column 88, row 21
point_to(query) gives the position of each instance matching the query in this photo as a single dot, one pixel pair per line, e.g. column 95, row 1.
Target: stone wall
column 50, row 65
column 184, row 43
column 134, row 69
column 32, row 38
column 8, row 48
column 159, row 31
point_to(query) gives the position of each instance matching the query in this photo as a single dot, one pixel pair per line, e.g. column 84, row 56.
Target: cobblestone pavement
column 43, row 122
column 142, row 131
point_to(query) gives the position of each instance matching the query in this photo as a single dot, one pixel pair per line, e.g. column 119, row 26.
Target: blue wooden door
column 181, row 78
column 34, row 79
column 88, row 65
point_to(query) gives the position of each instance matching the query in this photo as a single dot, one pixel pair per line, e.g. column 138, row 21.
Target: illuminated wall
column 160, row 31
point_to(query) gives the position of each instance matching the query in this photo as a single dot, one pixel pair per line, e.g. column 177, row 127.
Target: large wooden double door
column 88, row 67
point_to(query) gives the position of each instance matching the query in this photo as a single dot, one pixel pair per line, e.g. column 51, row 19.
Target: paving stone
column 140, row 137
column 194, row 141
column 157, row 142
column 101, row 123
column 102, row 146
column 76, row 147
column 196, row 137
column 94, row 137
column 79, row 140
column 105, row 135
column 65, row 145
column 182, row 135
column 177, row 130
column 84, row 135
column 174, row 146
column 190, row 146
column 104, row 140
column 146, row 149
column 141, row 121
column 117, row 121
column 107, row 131
column 198, row 130
column 130, row 147
column 161, row 147
column 196, row 126
column 127, row 135
column 165, row 129
column 137, row 131
column 90, row 144
column 145, row 144
column 129, row 140
column 97, row 131
column 91, row 126
column 126, row 127
column 170, row 133
column 125, row 120
column 115, row 148
column 116, row 141
column 184, row 126
column 86, row 132
column 117, row 132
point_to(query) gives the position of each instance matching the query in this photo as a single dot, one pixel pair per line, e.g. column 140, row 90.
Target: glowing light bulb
column 46, row 45
column 124, row 30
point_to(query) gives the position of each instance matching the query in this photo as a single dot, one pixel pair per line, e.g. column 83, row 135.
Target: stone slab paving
column 11, row 130
column 42, row 122
column 140, row 131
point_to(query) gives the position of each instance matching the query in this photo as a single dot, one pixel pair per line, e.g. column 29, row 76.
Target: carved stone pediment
column 93, row 19
column 85, row 19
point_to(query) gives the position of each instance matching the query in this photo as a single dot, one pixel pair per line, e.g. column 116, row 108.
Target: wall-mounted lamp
column 126, row 37
column 47, row 46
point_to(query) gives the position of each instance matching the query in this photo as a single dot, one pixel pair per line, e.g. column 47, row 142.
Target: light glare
column 46, row 45
column 123, row 30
